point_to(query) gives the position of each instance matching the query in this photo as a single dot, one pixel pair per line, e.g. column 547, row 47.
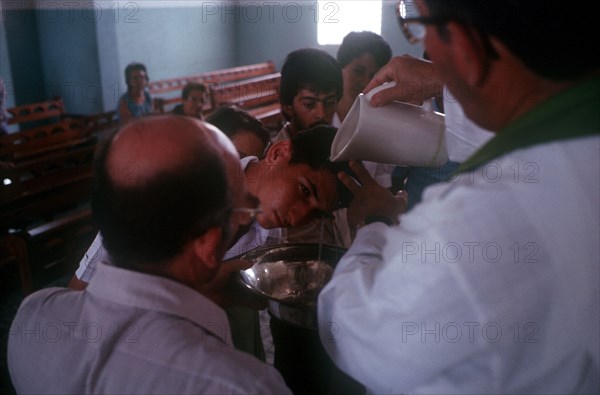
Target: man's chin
column 318, row 123
column 265, row 223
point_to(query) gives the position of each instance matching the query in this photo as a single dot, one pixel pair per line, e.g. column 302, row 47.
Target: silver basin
column 291, row 277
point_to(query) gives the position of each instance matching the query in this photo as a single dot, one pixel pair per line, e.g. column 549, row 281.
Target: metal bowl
column 291, row 277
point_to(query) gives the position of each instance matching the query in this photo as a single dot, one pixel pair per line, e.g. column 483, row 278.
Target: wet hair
column 232, row 120
column 192, row 86
column 313, row 147
column 309, row 68
column 148, row 222
column 357, row 43
column 552, row 38
column 131, row 67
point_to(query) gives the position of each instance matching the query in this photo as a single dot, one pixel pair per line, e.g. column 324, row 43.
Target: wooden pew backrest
column 39, row 189
column 36, row 111
column 50, row 250
column 249, row 93
column 170, row 89
column 212, row 77
column 29, row 143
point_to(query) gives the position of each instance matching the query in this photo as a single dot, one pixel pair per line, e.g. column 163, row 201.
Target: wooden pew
column 163, row 105
column 237, row 73
column 258, row 95
column 38, row 189
column 48, row 250
column 212, row 77
column 270, row 116
column 171, row 88
column 44, row 212
column 248, row 93
column 26, row 144
column 45, row 188
column 101, row 122
column 36, row 111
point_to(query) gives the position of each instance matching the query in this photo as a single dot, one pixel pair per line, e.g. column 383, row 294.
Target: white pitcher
column 398, row 133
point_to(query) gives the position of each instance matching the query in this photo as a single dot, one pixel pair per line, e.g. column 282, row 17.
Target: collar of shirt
column 283, row 133
column 570, row 114
column 248, row 160
column 336, row 120
column 149, row 292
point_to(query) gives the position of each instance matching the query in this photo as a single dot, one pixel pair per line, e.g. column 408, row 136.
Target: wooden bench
column 44, row 211
column 258, row 95
column 26, row 144
column 48, row 250
column 270, row 116
column 37, row 190
column 101, row 122
column 171, row 88
column 53, row 111
column 212, row 77
column 163, row 105
column 36, row 111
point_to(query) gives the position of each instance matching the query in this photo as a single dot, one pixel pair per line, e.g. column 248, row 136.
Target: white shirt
column 490, row 285
column 463, row 136
column 130, row 333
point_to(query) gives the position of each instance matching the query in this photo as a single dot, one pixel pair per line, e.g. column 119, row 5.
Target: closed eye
column 305, row 191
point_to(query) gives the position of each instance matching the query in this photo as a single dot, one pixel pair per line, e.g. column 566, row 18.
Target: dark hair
column 192, row 86
column 357, row 43
column 313, row 147
column 232, row 119
column 309, row 67
column 131, row 67
column 552, row 38
column 147, row 222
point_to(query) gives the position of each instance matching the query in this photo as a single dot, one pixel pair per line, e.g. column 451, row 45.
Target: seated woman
column 247, row 133
column 192, row 96
column 136, row 102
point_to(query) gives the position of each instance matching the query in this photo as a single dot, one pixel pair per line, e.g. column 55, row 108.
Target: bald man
column 167, row 198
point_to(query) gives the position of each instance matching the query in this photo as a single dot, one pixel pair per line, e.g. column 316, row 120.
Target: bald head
column 150, row 146
column 161, row 182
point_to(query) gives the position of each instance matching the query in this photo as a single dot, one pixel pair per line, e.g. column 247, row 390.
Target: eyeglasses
column 412, row 23
column 248, row 214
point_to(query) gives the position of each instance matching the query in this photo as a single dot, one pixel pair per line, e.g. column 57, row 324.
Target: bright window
column 338, row 18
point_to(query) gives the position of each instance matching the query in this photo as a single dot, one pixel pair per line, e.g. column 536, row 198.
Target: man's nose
column 320, row 110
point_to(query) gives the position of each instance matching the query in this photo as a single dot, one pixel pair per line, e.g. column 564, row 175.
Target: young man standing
column 311, row 86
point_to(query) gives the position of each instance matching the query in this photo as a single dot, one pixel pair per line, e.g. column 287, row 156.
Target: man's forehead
column 310, row 91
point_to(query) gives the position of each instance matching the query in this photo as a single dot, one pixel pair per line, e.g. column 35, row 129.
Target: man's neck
column 292, row 129
column 495, row 105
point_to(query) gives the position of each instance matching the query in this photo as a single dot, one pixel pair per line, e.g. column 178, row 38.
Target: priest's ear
column 470, row 50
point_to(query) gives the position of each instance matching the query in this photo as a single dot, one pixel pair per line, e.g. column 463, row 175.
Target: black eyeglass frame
column 439, row 20
column 423, row 20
